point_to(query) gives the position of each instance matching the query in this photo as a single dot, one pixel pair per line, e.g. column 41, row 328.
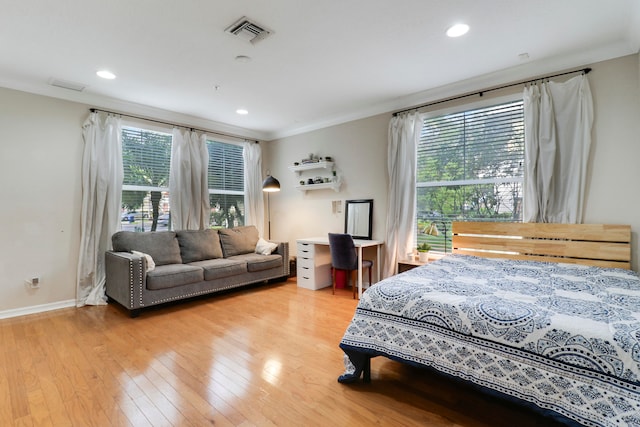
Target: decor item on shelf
column 306, row 170
column 423, row 251
column 311, row 159
column 432, row 230
column 296, row 164
column 270, row 185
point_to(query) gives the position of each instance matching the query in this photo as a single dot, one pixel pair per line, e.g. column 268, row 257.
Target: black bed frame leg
column 366, row 371
column 362, row 364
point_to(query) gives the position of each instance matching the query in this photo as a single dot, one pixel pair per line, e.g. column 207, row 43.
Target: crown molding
column 526, row 71
column 126, row 107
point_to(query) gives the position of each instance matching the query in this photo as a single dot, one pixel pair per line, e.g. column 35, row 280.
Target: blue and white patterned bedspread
column 564, row 337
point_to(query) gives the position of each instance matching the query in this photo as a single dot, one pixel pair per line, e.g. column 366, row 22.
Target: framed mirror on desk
column 358, row 218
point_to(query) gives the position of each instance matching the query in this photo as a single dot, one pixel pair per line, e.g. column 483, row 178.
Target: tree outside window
column 470, row 167
column 226, row 185
column 146, row 157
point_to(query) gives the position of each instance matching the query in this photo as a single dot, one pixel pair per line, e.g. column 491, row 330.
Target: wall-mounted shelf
column 323, row 168
column 334, row 185
column 310, row 166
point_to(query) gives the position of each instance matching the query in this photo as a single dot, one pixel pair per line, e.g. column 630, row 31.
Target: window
column 469, row 167
column 146, row 156
column 226, row 185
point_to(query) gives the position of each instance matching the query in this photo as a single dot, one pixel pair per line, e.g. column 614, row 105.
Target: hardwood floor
column 261, row 356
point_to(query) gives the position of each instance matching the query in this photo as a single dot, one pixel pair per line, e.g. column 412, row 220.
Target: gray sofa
column 188, row 263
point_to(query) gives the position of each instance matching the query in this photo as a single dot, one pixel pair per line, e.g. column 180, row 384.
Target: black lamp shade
column 271, row 184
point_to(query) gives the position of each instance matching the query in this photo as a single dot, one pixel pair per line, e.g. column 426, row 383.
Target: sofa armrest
column 283, row 249
column 125, row 278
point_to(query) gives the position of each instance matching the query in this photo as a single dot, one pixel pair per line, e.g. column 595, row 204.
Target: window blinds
column 226, row 168
column 146, row 157
column 480, row 144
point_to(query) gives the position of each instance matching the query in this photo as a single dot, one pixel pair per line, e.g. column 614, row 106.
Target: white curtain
column 558, row 121
column 102, row 177
column 188, row 188
column 253, row 196
column 404, row 134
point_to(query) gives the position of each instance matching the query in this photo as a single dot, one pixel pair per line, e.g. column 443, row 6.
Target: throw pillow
column 150, row 263
column 265, row 248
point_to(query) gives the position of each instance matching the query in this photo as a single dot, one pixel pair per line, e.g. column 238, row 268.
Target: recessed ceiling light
column 242, row 111
column 457, row 30
column 105, row 74
column 243, row 58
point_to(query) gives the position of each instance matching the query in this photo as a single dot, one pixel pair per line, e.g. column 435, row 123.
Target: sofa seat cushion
column 162, row 246
column 238, row 240
column 257, row 262
column 198, row 245
column 220, row 268
column 172, row 275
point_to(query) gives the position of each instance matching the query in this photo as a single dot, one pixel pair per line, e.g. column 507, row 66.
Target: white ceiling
column 327, row 61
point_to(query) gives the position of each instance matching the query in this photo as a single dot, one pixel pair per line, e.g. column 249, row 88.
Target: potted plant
column 423, row 251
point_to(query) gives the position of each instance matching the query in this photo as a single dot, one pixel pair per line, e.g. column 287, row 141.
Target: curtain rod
column 482, row 92
column 93, row 110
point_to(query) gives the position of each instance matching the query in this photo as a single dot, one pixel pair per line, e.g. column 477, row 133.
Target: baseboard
column 6, row 314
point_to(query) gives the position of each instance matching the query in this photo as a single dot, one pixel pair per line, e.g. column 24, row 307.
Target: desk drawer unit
column 314, row 266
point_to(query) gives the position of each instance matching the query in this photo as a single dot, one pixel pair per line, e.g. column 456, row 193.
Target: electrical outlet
column 33, row 283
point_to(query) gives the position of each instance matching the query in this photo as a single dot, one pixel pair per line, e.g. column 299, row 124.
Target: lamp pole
column 270, row 185
column 269, row 214
column 444, row 226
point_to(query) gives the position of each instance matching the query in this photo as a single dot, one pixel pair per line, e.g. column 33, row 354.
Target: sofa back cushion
column 199, row 245
column 162, row 246
column 238, row 240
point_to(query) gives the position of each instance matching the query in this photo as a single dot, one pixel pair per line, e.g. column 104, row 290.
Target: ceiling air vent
column 78, row 87
column 248, row 30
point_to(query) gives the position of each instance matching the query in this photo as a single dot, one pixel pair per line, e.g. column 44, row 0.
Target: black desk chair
column 344, row 257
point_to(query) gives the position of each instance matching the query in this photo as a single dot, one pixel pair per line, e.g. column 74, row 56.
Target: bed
column 546, row 314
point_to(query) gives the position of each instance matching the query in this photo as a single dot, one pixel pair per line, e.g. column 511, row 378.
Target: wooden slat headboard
column 599, row 245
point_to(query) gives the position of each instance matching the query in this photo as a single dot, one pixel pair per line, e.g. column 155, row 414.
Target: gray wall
column 41, row 151
column 359, row 149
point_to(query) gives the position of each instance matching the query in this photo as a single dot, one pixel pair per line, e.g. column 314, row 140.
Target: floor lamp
column 270, row 185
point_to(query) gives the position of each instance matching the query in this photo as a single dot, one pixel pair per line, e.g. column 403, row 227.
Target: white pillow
column 150, row 263
column 265, row 248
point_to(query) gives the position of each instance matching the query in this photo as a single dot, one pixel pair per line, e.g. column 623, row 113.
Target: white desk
column 317, row 251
